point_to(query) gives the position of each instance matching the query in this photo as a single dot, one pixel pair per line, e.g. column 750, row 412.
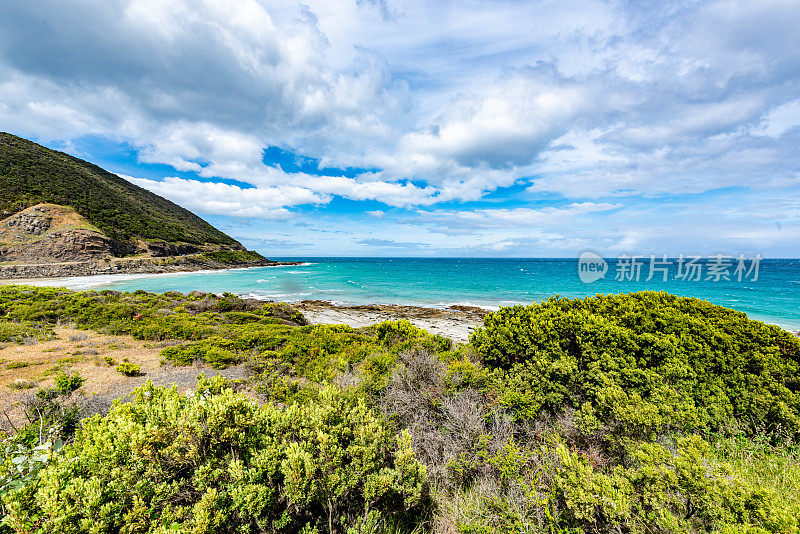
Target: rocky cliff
column 48, row 233
column 50, row 241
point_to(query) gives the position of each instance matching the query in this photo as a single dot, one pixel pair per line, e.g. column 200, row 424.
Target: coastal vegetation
column 631, row 413
column 233, row 257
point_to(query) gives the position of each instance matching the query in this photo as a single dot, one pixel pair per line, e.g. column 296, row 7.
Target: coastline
column 362, row 292
column 13, row 273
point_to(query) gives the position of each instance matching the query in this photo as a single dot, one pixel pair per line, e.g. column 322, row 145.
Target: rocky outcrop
column 48, row 233
column 52, row 241
column 35, row 221
column 160, row 249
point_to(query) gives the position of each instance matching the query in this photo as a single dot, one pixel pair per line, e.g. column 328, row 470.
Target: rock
column 48, row 233
column 469, row 309
column 52, row 241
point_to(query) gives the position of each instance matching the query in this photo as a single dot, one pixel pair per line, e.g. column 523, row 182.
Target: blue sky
column 380, row 127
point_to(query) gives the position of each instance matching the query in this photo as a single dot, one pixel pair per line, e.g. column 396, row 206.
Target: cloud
column 780, row 120
column 580, row 102
column 459, row 222
column 388, row 243
column 224, row 199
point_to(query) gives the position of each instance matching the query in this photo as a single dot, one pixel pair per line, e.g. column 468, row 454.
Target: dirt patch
column 94, row 356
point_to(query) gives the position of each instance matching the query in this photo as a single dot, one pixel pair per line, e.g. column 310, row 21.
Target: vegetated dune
column 626, row 413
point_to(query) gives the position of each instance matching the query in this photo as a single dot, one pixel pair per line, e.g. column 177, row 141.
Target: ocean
column 769, row 292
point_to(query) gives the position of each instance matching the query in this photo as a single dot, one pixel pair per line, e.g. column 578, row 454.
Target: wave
column 304, row 264
column 287, row 297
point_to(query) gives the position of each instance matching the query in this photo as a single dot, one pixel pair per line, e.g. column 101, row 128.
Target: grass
column 24, row 332
column 22, row 384
column 763, row 464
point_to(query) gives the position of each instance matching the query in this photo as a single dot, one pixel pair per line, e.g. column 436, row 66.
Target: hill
column 31, row 174
column 62, row 216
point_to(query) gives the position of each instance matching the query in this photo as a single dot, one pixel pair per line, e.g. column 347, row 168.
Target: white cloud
column 588, row 100
column 780, row 120
column 459, row 222
column 224, row 199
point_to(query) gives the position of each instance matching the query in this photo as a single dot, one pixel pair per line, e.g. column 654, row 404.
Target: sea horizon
column 773, row 296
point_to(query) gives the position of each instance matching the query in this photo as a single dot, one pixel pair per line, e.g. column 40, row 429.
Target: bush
column 234, row 257
column 643, row 363
column 549, row 488
column 21, row 383
column 216, row 461
column 20, row 332
column 127, row 368
column 66, row 383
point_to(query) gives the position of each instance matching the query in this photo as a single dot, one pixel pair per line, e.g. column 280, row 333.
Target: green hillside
column 31, row 174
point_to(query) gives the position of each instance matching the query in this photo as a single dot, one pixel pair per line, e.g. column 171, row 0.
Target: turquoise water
column 439, row 282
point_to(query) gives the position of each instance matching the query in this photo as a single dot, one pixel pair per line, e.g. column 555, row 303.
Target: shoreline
column 91, row 280
column 455, row 320
column 141, row 266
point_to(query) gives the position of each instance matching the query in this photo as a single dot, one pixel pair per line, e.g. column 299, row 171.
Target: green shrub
column 127, row 368
column 66, row 383
column 21, row 383
column 25, row 464
column 569, row 416
column 643, row 363
column 234, row 257
column 19, row 332
column 215, row 461
column 402, row 335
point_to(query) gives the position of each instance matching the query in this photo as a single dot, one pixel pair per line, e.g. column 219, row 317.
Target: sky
column 430, row 128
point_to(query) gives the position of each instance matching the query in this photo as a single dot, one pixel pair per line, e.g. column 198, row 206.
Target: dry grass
column 36, row 365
